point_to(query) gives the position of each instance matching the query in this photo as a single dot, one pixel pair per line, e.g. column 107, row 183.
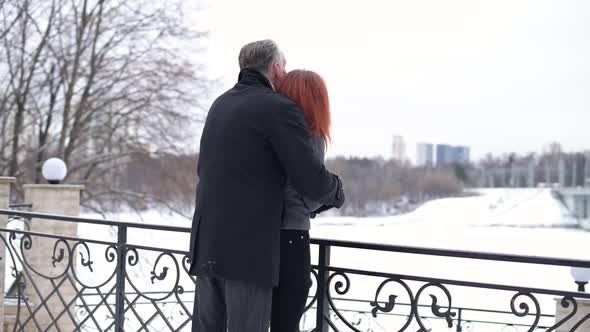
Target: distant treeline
column 551, row 167
column 373, row 186
column 377, row 186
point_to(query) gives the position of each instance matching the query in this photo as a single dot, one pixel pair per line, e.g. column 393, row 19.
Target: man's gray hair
column 259, row 55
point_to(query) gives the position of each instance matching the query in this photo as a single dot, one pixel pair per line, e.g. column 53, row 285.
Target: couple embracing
column 261, row 179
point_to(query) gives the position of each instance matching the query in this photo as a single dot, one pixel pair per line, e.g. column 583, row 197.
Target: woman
column 308, row 90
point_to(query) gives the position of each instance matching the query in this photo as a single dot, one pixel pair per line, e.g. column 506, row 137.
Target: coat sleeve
column 319, row 149
column 292, row 143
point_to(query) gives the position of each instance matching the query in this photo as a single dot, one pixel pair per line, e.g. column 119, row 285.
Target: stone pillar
column 61, row 200
column 583, row 310
column 5, row 183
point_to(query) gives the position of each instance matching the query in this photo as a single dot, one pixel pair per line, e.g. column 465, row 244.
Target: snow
column 513, row 221
column 508, row 207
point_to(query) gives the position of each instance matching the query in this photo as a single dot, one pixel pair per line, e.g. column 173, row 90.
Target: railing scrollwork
column 98, row 285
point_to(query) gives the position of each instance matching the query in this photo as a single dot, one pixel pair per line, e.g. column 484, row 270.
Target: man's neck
column 259, row 75
column 271, row 83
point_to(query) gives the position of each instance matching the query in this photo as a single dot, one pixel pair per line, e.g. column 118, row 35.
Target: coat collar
column 254, row 77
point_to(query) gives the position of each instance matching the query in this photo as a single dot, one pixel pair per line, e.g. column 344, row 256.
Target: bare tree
column 97, row 82
column 371, row 184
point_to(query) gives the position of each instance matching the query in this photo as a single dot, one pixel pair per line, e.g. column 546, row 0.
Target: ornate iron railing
column 62, row 282
column 531, row 309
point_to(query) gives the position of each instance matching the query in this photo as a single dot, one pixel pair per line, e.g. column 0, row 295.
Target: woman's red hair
column 309, row 91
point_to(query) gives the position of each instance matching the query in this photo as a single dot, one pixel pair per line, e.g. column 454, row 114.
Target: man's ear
column 275, row 71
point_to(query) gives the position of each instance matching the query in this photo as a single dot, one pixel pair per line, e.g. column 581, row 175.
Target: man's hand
column 337, row 202
column 321, row 209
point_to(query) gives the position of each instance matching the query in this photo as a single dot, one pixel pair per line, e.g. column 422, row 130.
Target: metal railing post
column 120, row 281
column 459, row 322
column 323, row 307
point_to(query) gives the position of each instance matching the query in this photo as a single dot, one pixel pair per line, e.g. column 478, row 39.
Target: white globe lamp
column 54, row 170
column 581, row 277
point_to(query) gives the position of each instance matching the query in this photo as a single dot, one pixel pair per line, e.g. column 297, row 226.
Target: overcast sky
column 496, row 75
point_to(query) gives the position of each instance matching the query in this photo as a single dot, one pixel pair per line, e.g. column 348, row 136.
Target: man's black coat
column 253, row 140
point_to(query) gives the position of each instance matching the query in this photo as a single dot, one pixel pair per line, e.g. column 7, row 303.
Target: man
column 253, row 140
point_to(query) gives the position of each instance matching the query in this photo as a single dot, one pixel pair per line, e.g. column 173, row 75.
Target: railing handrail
column 453, row 253
column 333, row 243
column 104, row 222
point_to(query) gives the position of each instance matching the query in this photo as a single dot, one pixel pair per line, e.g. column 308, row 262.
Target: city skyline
column 429, row 153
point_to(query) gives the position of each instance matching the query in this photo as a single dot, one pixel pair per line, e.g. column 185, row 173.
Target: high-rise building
column 424, row 154
column 447, row 154
column 444, row 154
column 461, row 154
column 399, row 148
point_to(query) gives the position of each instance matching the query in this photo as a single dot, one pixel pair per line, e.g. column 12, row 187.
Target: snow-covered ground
column 515, row 221
column 489, row 207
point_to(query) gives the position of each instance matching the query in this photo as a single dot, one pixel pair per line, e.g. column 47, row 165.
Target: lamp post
column 581, row 277
column 54, row 170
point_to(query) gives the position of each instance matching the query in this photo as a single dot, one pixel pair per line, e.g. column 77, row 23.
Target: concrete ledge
column 10, row 307
column 54, row 186
column 7, row 179
column 583, row 310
